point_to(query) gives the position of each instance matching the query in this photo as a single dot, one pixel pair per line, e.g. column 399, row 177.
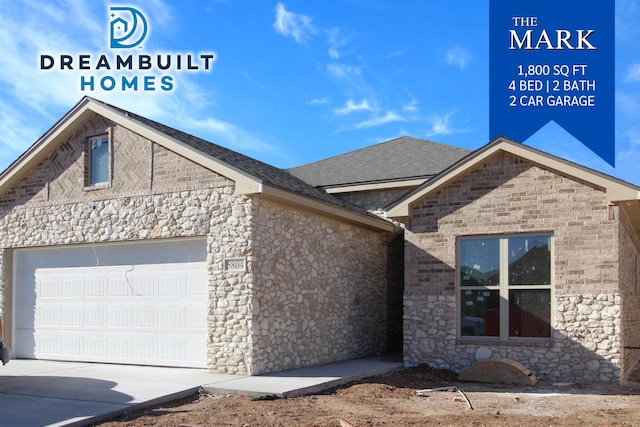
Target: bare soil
column 392, row 400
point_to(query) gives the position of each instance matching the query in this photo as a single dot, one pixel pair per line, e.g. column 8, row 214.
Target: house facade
column 512, row 253
column 125, row 241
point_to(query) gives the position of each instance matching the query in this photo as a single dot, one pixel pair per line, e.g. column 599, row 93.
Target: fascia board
column 374, row 186
column 327, row 209
column 41, row 148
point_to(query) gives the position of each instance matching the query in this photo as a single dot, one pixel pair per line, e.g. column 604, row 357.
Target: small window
column 98, row 172
column 504, row 287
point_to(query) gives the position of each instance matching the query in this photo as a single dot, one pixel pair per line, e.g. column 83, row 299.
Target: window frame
column 88, row 184
column 503, row 288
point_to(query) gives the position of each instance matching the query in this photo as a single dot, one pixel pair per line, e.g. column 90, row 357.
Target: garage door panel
column 195, row 286
column 48, row 317
column 192, row 318
column 147, row 313
column 47, row 288
column 118, row 348
column 193, row 349
column 95, row 317
column 94, row 348
column 48, row 344
column 73, row 288
column 71, row 345
column 143, row 318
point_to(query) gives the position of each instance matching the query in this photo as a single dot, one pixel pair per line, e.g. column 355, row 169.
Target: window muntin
column 505, row 286
column 99, row 159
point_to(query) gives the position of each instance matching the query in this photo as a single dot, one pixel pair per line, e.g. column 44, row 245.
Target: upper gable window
column 98, row 164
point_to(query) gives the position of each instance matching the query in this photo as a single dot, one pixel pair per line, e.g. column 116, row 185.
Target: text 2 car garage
column 136, row 303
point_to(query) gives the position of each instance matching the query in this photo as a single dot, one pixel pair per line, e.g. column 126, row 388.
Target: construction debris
column 265, row 397
column 448, row 388
column 347, row 423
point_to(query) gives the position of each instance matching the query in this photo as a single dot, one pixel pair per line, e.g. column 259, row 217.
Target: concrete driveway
column 35, row 393
column 42, row 393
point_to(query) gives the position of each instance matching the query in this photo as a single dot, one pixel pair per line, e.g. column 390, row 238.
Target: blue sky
column 296, row 81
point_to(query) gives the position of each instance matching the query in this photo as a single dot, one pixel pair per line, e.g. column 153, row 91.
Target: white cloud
column 440, row 125
column 389, row 117
column 412, row 105
column 341, row 71
column 293, row 24
column 458, row 56
column 443, row 125
column 318, row 101
column 398, row 52
column 227, row 134
column 352, row 107
column 633, row 74
column 336, row 41
column 626, row 25
column 251, row 80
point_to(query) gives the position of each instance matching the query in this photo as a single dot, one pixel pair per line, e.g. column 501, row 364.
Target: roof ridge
column 396, row 159
column 376, row 145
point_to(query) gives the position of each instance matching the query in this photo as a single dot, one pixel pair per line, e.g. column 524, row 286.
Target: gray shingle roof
column 395, row 160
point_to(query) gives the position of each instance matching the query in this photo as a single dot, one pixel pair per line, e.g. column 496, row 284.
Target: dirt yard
column 392, row 401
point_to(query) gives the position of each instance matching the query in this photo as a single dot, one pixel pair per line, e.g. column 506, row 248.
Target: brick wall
column 629, row 265
column 508, row 195
column 138, row 167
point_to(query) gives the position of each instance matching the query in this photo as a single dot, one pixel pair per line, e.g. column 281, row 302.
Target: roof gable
column 250, row 175
column 615, row 189
column 83, row 111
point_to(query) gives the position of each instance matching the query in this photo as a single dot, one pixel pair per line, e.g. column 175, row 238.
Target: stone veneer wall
column 320, row 289
column 509, row 195
column 230, row 291
column 3, row 284
column 629, row 264
column 154, row 194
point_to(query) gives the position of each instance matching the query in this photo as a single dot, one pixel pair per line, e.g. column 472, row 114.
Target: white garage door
column 137, row 303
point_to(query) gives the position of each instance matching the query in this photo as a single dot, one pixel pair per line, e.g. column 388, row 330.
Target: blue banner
column 553, row 60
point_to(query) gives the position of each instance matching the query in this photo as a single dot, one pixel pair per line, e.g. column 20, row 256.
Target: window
column 98, row 164
column 504, row 286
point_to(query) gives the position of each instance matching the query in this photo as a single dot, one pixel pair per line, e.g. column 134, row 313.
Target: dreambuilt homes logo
column 125, row 33
column 122, row 68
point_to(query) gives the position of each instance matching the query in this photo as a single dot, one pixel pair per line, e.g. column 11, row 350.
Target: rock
column 483, row 353
column 499, row 371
